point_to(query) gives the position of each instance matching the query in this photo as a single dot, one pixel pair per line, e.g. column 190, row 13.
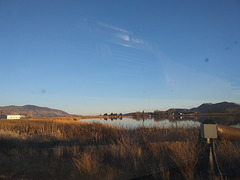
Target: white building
column 10, row 116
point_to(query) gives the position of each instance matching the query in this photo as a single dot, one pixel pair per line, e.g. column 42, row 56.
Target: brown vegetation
column 56, row 150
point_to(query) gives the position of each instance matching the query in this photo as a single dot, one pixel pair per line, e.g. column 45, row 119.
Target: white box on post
column 209, row 131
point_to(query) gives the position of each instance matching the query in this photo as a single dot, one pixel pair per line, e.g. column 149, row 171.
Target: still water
column 133, row 123
column 127, row 122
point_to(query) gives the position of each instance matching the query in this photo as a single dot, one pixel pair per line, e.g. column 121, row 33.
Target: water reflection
column 166, row 122
column 146, row 122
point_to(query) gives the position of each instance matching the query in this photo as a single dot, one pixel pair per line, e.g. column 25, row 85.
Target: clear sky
column 95, row 57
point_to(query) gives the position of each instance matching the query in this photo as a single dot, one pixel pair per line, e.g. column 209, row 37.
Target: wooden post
column 208, row 140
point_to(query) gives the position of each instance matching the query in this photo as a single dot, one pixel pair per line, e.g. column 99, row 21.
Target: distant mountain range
column 36, row 111
column 218, row 107
column 221, row 107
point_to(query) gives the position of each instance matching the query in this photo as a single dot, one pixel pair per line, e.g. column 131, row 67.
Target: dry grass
column 228, row 155
column 88, row 163
column 185, row 156
column 57, row 150
column 129, row 160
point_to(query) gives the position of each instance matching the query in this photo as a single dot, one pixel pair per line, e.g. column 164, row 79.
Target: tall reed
column 41, row 149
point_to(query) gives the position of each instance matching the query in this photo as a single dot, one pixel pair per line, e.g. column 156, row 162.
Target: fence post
column 208, row 160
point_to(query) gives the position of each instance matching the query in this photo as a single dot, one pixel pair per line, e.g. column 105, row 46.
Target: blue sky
column 92, row 57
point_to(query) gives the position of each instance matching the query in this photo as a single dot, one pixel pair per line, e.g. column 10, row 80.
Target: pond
column 187, row 122
column 133, row 123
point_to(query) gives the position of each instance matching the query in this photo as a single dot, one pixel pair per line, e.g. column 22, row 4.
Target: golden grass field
column 62, row 148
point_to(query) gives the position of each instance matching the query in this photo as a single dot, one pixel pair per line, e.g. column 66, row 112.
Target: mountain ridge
column 36, row 111
column 221, row 107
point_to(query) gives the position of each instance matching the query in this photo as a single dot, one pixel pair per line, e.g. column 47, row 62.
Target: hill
column 35, row 110
column 221, row 107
